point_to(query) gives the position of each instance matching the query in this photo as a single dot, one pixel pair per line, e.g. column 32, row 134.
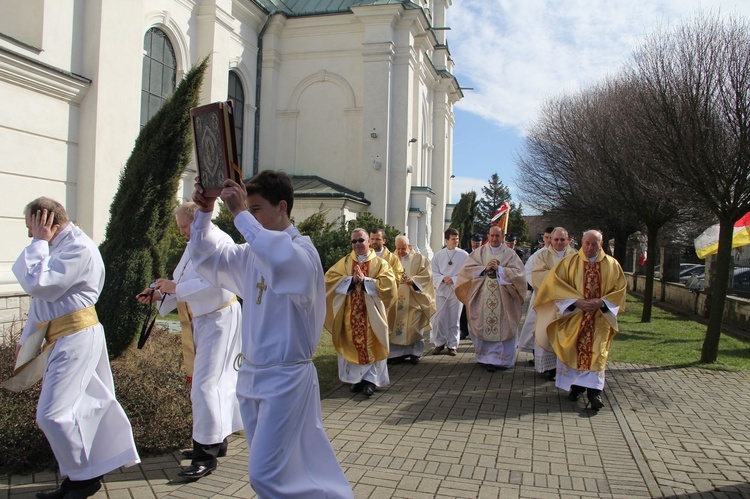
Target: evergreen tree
column 333, row 239
column 516, row 223
column 462, row 218
column 494, row 194
column 141, row 212
column 225, row 221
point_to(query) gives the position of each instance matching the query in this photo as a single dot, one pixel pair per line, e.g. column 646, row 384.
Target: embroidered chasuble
column 493, row 309
column 581, row 339
column 358, row 321
column 414, row 308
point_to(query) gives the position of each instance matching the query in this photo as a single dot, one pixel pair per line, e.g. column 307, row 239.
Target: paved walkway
column 447, row 428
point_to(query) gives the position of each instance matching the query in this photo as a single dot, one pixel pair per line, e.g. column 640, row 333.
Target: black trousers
column 463, row 324
column 206, row 454
column 590, row 392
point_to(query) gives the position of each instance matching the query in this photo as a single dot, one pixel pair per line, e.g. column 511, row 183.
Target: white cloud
column 462, row 185
column 515, row 54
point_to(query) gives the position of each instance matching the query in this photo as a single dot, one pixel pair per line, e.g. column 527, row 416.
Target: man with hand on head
column 278, row 274
column 86, row 427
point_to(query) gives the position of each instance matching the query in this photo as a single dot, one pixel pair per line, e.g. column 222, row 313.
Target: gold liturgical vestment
column 581, row 339
column 493, row 309
column 414, row 308
column 358, row 322
column 398, row 273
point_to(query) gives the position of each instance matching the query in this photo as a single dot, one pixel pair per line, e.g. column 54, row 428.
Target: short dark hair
column 549, row 230
column 273, row 186
column 52, row 206
column 378, row 230
column 450, row 231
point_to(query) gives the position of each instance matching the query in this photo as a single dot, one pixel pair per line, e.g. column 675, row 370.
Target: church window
column 237, row 95
column 159, row 72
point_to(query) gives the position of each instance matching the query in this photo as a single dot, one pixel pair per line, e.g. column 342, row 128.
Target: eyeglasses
column 360, row 241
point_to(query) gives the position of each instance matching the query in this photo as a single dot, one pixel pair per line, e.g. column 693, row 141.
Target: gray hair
column 188, row 208
column 360, row 229
column 594, row 232
column 402, row 238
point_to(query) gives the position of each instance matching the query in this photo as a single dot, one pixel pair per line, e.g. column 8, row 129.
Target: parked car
column 739, row 282
column 686, row 270
column 691, row 269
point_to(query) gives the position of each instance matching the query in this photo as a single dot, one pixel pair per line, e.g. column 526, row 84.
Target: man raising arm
column 279, row 276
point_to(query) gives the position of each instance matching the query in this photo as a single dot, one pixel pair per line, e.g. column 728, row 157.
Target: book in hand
column 215, row 146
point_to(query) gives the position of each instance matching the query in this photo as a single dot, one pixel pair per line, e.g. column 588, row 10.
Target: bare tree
column 693, row 92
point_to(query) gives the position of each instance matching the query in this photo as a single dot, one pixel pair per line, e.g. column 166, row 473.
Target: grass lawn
column 671, row 340
column 326, row 362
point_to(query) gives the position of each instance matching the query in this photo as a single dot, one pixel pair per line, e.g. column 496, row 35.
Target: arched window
column 237, row 95
column 159, row 72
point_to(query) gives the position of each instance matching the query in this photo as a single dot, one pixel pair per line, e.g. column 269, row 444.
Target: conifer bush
column 141, row 212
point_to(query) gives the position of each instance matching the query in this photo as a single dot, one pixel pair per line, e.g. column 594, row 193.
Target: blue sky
column 518, row 53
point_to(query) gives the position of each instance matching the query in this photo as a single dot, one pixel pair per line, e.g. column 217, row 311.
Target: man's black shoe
column 196, row 471
column 491, row 368
column 66, row 491
column 356, row 387
column 552, row 374
column 414, row 360
column 574, row 396
column 368, row 388
column 596, row 401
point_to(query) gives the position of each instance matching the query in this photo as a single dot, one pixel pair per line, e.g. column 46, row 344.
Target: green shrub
column 149, row 383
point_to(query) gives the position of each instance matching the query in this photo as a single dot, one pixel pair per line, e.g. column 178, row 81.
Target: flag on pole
column 503, row 210
column 708, row 243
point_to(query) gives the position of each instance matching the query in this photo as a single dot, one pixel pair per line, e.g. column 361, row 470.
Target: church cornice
column 28, row 73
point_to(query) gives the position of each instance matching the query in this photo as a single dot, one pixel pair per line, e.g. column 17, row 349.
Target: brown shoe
column 452, row 352
column 438, row 350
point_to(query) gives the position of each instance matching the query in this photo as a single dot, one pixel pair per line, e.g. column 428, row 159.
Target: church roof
column 312, row 186
column 299, row 8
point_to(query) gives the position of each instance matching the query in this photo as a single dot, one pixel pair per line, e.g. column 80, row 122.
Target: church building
column 352, row 98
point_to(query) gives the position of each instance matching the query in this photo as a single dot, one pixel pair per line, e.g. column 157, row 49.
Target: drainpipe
column 258, row 71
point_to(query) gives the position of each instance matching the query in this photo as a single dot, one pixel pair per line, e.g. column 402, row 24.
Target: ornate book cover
column 215, row 145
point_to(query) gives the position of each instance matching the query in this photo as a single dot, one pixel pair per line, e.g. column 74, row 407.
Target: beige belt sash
column 186, row 326
column 31, row 364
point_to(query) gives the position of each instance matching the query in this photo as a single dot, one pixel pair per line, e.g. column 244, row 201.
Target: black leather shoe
column 552, row 374
column 196, row 471
column 596, row 401
column 65, row 491
column 575, row 396
column 368, row 388
column 414, row 360
column 356, row 387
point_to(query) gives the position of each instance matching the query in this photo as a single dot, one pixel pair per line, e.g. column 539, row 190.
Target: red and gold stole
column 592, row 288
column 358, row 317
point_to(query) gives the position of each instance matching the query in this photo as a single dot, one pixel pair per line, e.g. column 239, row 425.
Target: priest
column 545, row 360
column 360, row 289
column 377, row 244
column 63, row 272
column 415, row 306
column 492, row 285
column 211, row 320
column 577, row 305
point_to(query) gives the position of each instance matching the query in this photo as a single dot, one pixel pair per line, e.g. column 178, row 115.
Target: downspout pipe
column 258, row 74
